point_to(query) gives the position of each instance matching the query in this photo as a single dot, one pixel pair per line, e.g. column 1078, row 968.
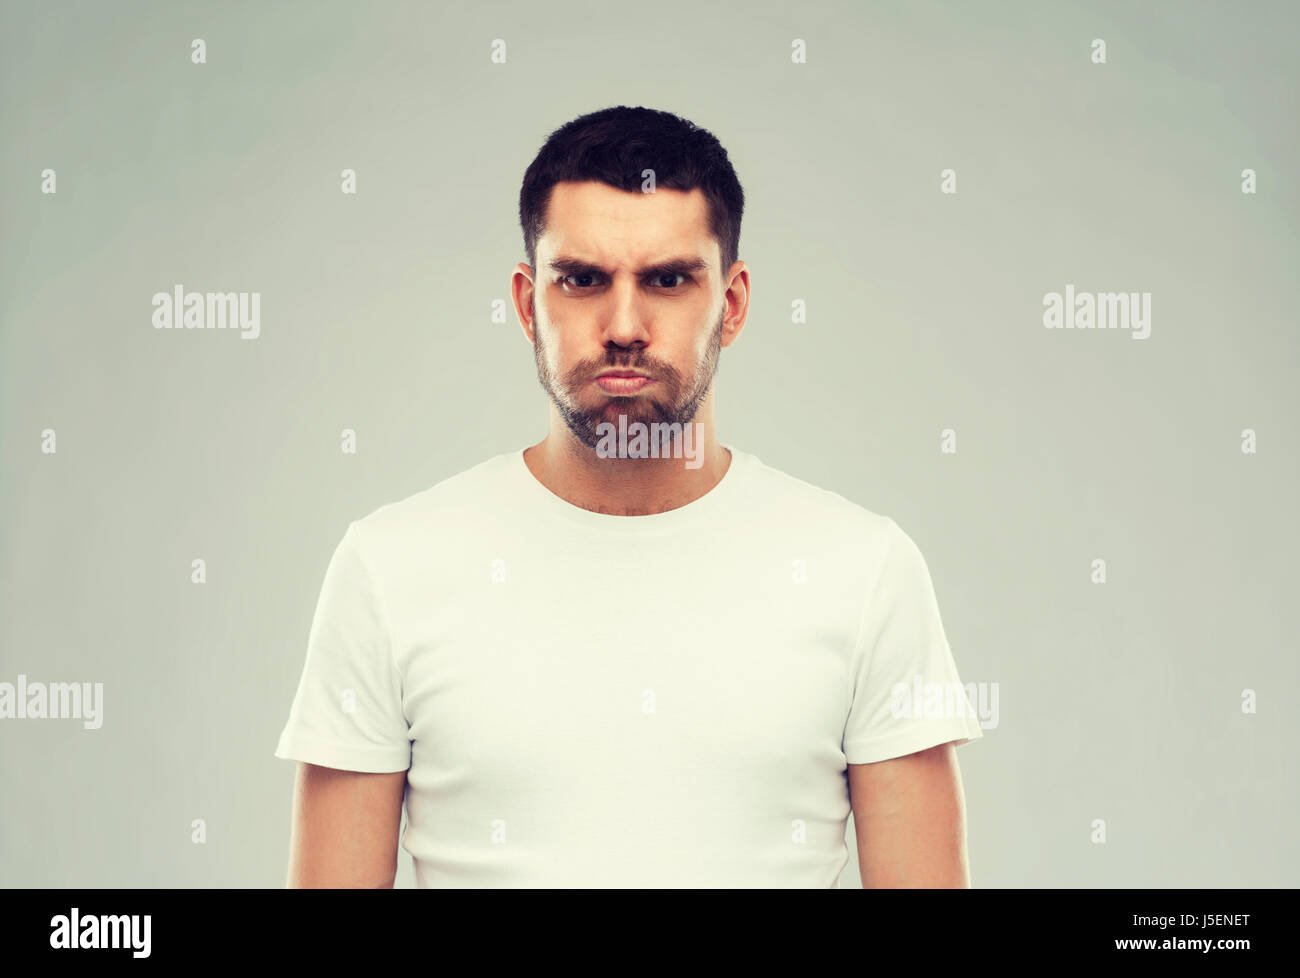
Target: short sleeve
column 347, row 712
column 906, row 694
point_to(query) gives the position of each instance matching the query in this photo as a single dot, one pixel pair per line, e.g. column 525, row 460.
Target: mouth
column 622, row 381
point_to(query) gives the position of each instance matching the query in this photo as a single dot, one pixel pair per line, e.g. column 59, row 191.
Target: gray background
column 1118, row 701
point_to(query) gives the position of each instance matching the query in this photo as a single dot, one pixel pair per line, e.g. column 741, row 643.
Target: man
column 607, row 662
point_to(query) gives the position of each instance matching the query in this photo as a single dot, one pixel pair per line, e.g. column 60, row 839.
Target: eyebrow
column 671, row 266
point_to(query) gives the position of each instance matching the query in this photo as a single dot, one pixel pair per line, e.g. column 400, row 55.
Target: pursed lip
column 622, row 373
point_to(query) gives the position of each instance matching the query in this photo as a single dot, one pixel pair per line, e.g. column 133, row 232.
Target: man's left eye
column 659, row 280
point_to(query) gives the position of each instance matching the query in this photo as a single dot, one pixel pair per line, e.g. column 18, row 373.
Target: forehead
column 605, row 224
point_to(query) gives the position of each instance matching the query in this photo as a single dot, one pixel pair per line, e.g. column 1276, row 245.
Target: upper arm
column 345, row 828
column 910, row 820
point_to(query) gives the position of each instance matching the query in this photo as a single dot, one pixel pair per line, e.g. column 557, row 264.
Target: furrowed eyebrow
column 673, row 266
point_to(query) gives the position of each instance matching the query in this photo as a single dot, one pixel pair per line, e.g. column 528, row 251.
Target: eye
column 667, row 275
column 579, row 275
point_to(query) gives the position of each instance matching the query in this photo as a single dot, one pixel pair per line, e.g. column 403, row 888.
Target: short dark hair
column 613, row 146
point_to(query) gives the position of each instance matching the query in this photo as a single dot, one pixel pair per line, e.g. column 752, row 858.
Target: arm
column 910, row 820
column 345, row 828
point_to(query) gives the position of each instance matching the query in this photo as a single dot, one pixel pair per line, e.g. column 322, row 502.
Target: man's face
column 626, row 282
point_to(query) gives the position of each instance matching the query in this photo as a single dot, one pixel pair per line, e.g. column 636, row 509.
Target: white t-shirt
column 582, row 699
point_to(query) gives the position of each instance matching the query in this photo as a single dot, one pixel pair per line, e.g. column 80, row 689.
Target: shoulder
column 815, row 509
column 451, row 508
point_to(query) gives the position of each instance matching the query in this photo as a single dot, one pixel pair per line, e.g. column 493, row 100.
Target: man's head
column 631, row 221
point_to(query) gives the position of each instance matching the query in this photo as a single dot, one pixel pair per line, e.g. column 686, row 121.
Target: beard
column 673, row 398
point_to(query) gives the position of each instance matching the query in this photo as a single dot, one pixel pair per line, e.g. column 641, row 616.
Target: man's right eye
column 579, row 275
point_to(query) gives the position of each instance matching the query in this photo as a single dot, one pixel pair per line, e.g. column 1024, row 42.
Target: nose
column 625, row 317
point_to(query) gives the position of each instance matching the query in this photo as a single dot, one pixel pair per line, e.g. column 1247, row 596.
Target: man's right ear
column 522, row 293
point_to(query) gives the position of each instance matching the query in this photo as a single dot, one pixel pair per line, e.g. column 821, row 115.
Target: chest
column 534, row 680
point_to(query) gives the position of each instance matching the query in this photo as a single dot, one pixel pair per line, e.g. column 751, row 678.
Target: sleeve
column 906, row 694
column 347, row 713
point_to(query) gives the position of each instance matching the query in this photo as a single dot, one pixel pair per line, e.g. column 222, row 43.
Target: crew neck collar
column 709, row 506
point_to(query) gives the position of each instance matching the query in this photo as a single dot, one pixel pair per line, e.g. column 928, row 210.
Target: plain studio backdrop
column 1125, row 704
